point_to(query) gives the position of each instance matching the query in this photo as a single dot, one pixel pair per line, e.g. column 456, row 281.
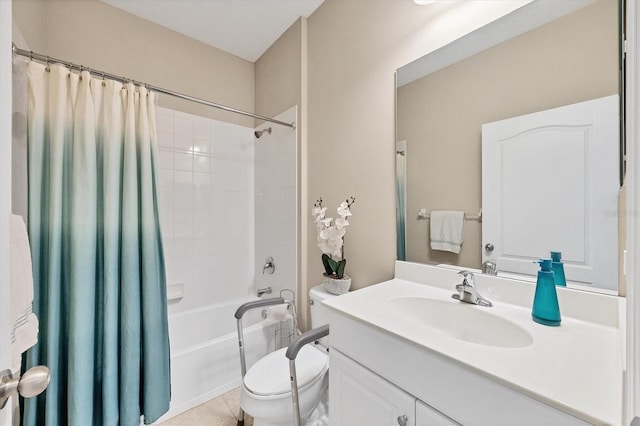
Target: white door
column 550, row 181
column 359, row 397
column 5, row 192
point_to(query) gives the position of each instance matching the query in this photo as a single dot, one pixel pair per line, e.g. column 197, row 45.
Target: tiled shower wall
column 206, row 208
column 276, row 205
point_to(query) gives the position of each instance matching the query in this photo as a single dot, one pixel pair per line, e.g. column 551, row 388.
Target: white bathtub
column 205, row 360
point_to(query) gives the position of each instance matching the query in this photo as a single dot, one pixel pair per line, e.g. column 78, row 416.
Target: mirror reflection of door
column 567, row 54
column 550, row 182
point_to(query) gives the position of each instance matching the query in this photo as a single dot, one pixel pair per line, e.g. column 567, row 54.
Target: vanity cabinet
column 377, row 377
column 360, row 397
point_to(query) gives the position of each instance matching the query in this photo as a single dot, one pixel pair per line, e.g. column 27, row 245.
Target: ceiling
column 245, row 28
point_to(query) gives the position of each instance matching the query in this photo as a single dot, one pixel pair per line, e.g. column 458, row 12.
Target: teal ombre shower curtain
column 401, row 200
column 100, row 286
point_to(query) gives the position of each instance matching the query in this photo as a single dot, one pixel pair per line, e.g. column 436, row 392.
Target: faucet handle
column 467, row 277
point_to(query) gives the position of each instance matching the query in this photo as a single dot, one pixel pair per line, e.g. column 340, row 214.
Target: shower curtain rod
column 49, row 60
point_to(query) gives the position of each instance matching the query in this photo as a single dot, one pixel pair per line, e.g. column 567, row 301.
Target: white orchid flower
column 333, row 247
column 336, row 233
column 319, row 211
column 343, row 210
column 325, row 248
column 330, row 235
column 342, row 222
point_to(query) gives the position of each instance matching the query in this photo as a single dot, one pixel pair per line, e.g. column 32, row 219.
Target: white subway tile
column 204, row 197
column 183, row 143
column 202, row 179
column 182, row 214
column 182, row 178
column 202, row 146
column 165, row 177
column 184, row 196
column 183, row 126
column 182, row 231
column 202, row 128
column 164, row 121
column 203, row 230
column 218, row 149
column 165, row 202
column 165, row 140
column 183, row 161
column 202, row 164
column 202, row 214
column 165, row 159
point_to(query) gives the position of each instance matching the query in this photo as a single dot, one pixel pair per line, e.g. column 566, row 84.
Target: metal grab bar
column 242, row 309
column 292, row 353
column 306, row 337
column 257, row 304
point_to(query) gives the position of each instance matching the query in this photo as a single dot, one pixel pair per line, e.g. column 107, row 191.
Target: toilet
column 265, row 393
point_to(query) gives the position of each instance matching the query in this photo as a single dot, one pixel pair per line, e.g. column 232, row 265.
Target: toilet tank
column 319, row 312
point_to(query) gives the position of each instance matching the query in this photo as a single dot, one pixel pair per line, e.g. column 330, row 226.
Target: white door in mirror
column 550, row 181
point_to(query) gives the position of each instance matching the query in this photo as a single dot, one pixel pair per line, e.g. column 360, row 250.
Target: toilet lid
column 270, row 375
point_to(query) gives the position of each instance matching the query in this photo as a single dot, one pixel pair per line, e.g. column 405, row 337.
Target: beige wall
column 441, row 115
column 279, row 73
column 92, row 33
column 354, row 48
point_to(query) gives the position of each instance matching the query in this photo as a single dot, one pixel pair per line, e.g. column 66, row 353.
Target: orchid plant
column 331, row 236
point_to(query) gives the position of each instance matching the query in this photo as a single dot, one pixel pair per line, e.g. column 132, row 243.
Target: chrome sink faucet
column 466, row 291
column 489, row 268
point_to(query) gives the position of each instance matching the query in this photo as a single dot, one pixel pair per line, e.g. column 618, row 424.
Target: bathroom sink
column 461, row 321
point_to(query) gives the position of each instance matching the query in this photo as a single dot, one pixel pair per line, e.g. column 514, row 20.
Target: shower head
column 259, row 133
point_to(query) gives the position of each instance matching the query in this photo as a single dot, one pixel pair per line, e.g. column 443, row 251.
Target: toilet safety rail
column 292, row 352
column 242, row 309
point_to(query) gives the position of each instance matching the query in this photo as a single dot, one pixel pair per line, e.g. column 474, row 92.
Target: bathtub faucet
column 269, row 265
column 262, row 291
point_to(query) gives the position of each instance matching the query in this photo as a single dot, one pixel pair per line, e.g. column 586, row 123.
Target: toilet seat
column 270, row 375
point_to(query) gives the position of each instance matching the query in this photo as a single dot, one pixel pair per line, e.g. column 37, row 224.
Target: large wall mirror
column 554, row 185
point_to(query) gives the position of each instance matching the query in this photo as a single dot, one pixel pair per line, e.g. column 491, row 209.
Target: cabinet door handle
column 402, row 420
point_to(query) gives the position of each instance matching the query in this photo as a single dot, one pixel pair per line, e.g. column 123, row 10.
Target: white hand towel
column 447, row 230
column 24, row 333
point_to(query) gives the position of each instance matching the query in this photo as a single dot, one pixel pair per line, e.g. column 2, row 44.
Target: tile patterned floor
column 221, row 411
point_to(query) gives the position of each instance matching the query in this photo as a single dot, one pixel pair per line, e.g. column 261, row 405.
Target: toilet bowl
column 265, row 393
column 266, row 389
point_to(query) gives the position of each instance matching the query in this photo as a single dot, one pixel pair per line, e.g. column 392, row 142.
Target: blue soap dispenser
column 546, row 310
column 558, row 268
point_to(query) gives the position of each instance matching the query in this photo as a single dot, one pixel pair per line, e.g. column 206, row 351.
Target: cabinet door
column 359, row 397
column 428, row 416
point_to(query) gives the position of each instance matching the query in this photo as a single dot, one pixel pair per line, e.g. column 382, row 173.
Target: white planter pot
column 335, row 286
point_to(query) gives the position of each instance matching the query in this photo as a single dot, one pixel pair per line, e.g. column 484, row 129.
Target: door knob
column 489, row 247
column 402, row 420
column 32, row 383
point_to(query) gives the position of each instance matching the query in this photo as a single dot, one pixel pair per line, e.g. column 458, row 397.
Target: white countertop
column 576, row 367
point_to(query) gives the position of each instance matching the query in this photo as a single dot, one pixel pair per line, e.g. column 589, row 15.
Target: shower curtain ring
column 31, row 55
column 47, row 69
column 103, row 82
